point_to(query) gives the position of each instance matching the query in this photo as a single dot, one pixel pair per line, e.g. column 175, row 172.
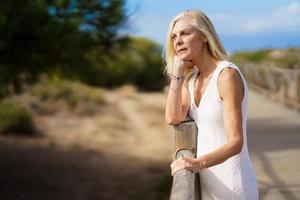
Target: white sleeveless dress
column 235, row 178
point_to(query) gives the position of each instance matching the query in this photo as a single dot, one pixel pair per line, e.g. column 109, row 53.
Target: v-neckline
column 209, row 82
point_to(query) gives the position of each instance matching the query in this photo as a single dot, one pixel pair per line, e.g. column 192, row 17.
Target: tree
column 48, row 36
column 138, row 63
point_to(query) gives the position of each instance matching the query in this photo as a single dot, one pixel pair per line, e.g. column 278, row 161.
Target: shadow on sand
column 38, row 172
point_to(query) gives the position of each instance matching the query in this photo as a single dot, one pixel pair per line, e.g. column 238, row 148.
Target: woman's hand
column 181, row 65
column 192, row 164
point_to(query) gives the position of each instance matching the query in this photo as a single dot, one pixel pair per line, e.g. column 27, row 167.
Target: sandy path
column 124, row 151
column 274, row 142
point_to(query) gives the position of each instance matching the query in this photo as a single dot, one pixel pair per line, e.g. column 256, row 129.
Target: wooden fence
column 282, row 85
column 186, row 184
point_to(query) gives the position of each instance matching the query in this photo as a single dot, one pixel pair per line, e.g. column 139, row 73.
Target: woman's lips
column 181, row 50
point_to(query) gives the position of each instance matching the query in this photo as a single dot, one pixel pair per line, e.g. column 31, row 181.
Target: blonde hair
column 203, row 24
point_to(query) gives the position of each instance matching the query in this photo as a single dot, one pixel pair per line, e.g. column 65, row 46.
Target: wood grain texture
column 186, row 184
column 185, row 137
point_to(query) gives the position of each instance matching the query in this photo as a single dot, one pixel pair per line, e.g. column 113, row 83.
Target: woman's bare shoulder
column 230, row 83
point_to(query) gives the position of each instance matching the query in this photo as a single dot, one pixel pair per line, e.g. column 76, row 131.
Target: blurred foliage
column 53, row 37
column 283, row 58
column 138, row 63
column 150, row 68
column 76, row 40
column 71, row 92
column 14, row 118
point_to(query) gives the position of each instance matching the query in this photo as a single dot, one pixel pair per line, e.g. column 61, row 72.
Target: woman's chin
column 184, row 57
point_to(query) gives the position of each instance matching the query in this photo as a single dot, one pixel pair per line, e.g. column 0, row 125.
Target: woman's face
column 188, row 42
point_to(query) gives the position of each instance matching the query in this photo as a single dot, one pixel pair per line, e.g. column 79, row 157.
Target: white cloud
column 285, row 18
column 292, row 8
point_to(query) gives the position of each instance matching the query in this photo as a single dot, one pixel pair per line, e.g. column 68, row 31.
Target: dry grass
column 122, row 151
column 76, row 96
column 282, row 58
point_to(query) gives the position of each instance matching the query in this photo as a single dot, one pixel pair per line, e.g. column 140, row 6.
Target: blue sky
column 241, row 24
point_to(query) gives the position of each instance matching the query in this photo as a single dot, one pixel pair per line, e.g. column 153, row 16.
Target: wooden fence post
column 186, row 184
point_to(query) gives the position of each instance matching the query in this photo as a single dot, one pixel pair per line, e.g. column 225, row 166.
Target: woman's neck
column 206, row 64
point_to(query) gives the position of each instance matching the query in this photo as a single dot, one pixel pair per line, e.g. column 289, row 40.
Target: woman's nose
column 178, row 41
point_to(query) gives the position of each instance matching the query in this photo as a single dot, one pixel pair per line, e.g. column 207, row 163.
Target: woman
column 214, row 93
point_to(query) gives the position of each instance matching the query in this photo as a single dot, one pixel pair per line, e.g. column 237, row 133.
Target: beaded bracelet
column 177, row 78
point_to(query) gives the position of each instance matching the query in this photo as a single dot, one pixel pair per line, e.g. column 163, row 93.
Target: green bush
column 253, row 56
column 139, row 63
column 71, row 92
column 15, row 119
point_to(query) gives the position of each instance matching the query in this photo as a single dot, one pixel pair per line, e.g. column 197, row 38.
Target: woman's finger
column 177, row 165
column 176, row 169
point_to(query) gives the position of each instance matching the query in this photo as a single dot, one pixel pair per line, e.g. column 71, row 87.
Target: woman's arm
column 178, row 101
column 231, row 92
